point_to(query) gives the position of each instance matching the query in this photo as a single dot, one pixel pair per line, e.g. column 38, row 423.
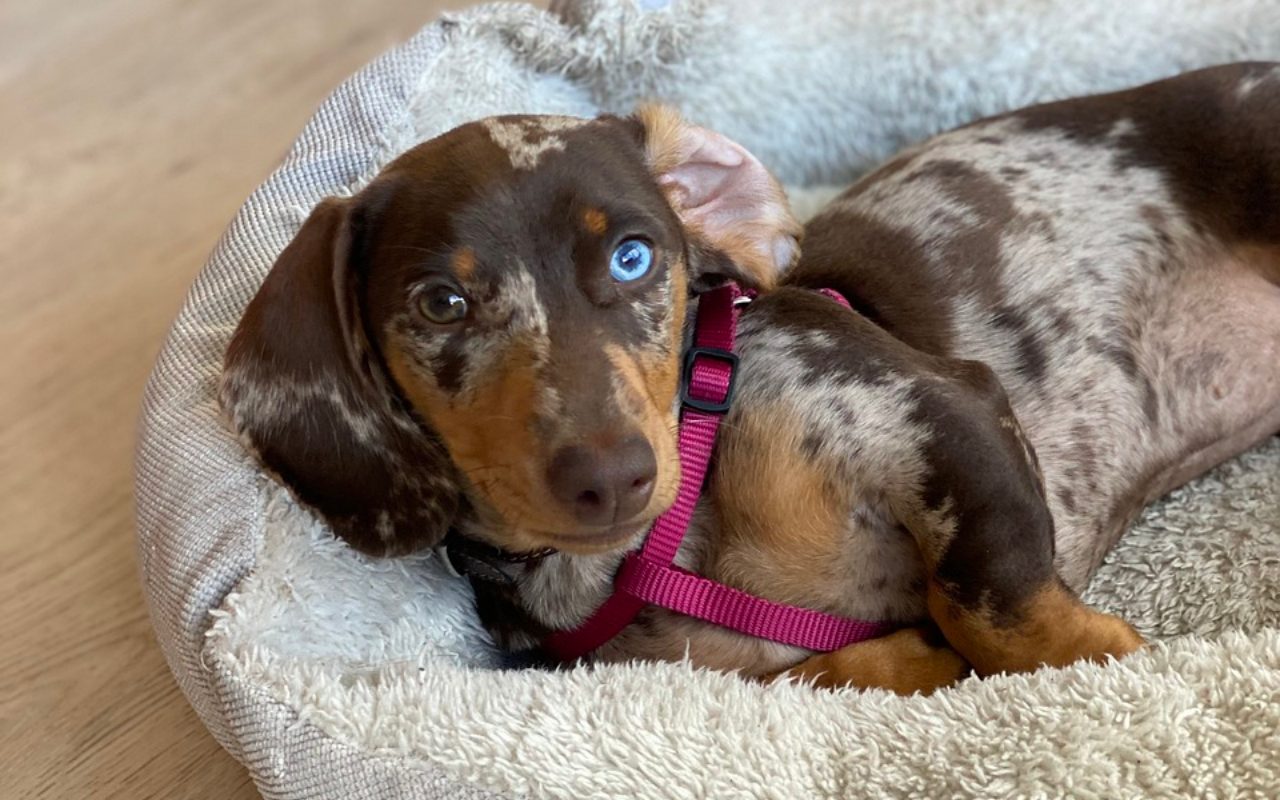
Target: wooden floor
column 130, row 131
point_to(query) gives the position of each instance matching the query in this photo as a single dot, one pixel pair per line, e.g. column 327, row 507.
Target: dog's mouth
column 623, row 536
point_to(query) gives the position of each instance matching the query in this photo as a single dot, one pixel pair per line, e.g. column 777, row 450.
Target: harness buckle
column 707, row 405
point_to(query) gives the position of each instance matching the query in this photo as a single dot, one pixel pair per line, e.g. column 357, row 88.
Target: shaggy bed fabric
column 332, row 675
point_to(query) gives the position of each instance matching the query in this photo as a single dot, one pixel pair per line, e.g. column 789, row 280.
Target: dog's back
column 1113, row 259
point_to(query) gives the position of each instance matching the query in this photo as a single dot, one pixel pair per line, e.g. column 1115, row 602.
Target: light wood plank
column 132, row 130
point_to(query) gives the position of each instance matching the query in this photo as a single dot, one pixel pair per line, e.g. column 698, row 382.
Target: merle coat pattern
column 1059, row 315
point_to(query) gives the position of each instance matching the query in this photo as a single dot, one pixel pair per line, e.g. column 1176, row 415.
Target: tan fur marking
column 464, row 263
column 934, row 529
column 1054, row 629
column 663, row 143
column 491, row 440
column 651, row 378
column 782, row 521
column 595, row 221
column 649, row 389
column 679, row 305
column 904, row 662
column 743, row 248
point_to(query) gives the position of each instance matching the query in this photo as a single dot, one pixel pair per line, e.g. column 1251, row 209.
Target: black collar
column 474, row 559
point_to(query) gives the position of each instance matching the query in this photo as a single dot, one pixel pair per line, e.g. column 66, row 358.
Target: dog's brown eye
column 443, row 305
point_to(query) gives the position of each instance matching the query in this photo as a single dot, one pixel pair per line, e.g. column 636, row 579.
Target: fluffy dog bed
column 331, row 675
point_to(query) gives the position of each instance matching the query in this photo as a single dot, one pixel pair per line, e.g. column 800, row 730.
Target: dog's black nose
column 604, row 485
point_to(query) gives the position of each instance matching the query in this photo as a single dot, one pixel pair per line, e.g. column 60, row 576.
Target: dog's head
column 494, row 325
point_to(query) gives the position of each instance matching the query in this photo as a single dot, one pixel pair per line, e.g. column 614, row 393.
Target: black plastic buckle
column 716, row 354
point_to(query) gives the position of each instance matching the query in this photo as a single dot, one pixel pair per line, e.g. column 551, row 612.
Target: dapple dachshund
column 1059, row 315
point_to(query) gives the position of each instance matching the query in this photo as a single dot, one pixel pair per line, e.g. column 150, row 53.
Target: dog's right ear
column 307, row 390
column 737, row 213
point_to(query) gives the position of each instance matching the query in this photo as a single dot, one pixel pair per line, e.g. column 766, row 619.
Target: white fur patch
column 1249, row 84
column 279, row 399
column 527, row 140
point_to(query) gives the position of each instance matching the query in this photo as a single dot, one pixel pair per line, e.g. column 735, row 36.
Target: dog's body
column 1059, row 315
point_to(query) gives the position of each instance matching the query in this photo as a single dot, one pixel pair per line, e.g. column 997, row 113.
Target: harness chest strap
column 649, row 577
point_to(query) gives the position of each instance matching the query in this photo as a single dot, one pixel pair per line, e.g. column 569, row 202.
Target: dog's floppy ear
column 304, row 386
column 736, row 213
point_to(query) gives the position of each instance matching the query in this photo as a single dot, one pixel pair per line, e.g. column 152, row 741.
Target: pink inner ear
column 723, row 192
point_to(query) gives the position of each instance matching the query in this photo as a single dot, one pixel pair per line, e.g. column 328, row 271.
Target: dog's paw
column 909, row 661
column 1052, row 628
column 1101, row 637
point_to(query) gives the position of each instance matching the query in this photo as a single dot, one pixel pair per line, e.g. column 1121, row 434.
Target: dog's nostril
column 603, row 485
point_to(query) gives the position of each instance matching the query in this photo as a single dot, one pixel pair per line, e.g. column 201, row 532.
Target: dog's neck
column 555, row 592
column 560, row 591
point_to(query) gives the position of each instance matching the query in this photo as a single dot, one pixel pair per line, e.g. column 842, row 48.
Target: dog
column 1058, row 315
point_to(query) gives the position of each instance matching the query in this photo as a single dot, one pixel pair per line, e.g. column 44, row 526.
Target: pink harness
column 648, row 576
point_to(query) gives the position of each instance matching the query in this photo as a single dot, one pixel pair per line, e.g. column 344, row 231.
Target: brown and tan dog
column 1060, row 315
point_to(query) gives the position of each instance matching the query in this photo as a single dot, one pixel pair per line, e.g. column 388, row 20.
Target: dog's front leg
column 981, row 521
column 904, row 662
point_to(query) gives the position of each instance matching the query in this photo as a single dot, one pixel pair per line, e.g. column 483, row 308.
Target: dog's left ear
column 737, row 216
column 305, row 387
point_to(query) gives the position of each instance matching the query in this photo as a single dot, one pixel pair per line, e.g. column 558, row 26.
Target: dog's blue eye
column 631, row 260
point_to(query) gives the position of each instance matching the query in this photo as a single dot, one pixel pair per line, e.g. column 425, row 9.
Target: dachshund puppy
column 1059, row 315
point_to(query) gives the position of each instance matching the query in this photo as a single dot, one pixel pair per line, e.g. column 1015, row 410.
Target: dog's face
column 494, row 326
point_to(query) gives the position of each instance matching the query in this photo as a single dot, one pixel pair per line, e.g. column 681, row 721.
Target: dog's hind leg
column 986, row 534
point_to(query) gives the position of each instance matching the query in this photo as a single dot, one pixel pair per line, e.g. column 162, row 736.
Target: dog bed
column 332, row 675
